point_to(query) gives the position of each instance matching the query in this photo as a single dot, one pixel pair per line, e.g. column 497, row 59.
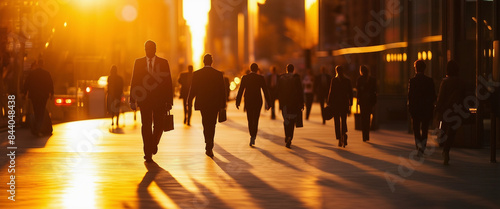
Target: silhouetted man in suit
column 208, row 89
column 421, row 98
column 291, row 101
column 321, row 88
column 367, row 97
column 451, row 97
column 39, row 88
column 151, row 89
column 340, row 98
column 272, row 84
column 185, row 80
column 251, row 84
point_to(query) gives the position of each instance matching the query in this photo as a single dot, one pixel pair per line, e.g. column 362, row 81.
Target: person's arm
column 51, row 86
column 300, row 91
column 168, row 87
column 349, row 93
column 134, row 84
column 223, row 91
column 331, row 92
column 267, row 95
column 240, row 91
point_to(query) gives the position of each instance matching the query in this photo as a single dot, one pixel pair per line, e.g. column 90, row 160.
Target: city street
column 84, row 165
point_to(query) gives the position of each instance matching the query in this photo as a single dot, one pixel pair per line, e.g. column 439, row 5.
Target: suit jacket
column 421, row 97
column 290, row 93
column 151, row 88
column 185, row 80
column 39, row 84
column 251, row 84
column 322, row 88
column 208, row 89
column 273, row 89
column 451, row 91
column 340, row 96
column 366, row 87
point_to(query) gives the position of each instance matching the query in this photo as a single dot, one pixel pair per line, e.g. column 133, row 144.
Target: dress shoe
column 155, row 150
column 252, row 141
column 209, row 153
column 288, row 141
column 184, row 120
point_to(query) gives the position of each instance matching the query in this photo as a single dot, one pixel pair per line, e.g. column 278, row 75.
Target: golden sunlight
column 196, row 16
column 312, row 23
column 253, row 21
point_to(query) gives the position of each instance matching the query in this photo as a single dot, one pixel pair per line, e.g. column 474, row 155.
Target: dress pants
column 253, row 115
column 309, row 100
column 187, row 111
column 39, row 105
column 209, row 120
column 321, row 101
column 152, row 127
column 448, row 136
column 365, row 111
column 289, row 123
column 338, row 118
column 420, row 131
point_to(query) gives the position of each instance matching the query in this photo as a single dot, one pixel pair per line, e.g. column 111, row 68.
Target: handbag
column 222, row 115
column 328, row 112
column 168, row 122
column 299, row 122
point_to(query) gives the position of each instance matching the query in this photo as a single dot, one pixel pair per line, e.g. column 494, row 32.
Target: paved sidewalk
column 84, row 165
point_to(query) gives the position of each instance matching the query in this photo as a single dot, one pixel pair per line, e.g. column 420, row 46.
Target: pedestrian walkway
column 84, row 165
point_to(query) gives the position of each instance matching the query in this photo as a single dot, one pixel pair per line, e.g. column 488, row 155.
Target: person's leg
column 158, row 119
column 336, row 120
column 416, row 132
column 309, row 101
column 322, row 106
column 209, row 120
column 425, row 133
column 253, row 121
column 449, row 133
column 189, row 113
column 365, row 121
column 147, row 131
column 184, row 105
column 344, row 127
column 39, row 112
column 273, row 101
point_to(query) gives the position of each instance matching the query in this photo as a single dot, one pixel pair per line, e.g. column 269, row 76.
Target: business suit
column 291, row 101
column 151, row 88
column 208, row 89
column 185, row 80
column 272, row 84
column 252, row 84
column 366, row 87
column 40, row 87
column 340, row 98
column 451, row 96
column 321, row 88
column 421, row 98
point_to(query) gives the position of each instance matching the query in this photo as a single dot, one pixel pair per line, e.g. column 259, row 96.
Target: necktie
column 150, row 66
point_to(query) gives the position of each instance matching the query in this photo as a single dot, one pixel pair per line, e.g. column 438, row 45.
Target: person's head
column 419, row 66
column 150, row 47
column 254, row 67
column 190, row 68
column 33, row 65
column 273, row 69
column 363, row 70
column 114, row 70
column 452, row 68
column 290, row 68
column 339, row 69
column 208, row 60
column 39, row 63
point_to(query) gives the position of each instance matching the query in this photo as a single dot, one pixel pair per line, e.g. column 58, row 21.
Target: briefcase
column 222, row 115
column 168, row 122
column 299, row 122
column 328, row 112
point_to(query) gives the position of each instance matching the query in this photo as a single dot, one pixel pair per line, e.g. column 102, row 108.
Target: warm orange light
column 68, row 101
column 59, row 101
column 65, row 24
column 88, row 89
column 196, row 16
column 129, row 13
column 237, row 80
column 312, row 22
column 46, row 44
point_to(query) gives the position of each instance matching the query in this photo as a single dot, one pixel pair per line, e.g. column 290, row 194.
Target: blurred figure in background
column 367, row 97
column 291, row 101
column 421, row 98
column 340, row 98
column 39, row 88
column 251, row 85
column 451, row 95
column 185, row 80
column 322, row 87
column 272, row 84
column 115, row 93
column 308, row 84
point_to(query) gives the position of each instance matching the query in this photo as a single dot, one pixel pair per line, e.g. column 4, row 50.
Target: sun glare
column 196, row 16
column 312, row 22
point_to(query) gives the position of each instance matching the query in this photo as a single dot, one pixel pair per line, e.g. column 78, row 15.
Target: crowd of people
column 152, row 91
